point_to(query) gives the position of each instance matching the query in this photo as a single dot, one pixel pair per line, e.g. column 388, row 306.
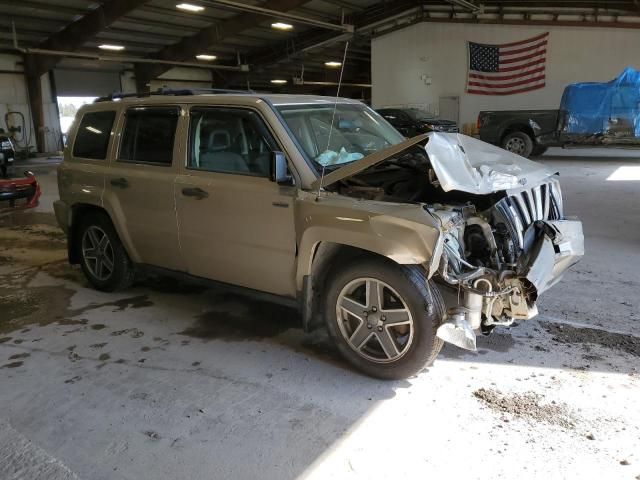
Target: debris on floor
column 527, row 406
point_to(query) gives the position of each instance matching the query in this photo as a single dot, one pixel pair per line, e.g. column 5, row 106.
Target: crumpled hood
column 460, row 163
column 469, row 165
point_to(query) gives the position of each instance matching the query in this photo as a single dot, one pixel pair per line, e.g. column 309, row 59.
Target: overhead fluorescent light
column 115, row 48
column 189, row 7
column 93, row 130
column 278, row 81
column 282, row 26
column 333, row 64
column 206, row 57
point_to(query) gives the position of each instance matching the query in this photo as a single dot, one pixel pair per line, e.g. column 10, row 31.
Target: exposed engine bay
column 499, row 250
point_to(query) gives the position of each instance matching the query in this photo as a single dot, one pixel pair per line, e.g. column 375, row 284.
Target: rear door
column 139, row 185
column 236, row 226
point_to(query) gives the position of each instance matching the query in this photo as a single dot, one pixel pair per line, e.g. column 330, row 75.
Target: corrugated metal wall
column 403, row 62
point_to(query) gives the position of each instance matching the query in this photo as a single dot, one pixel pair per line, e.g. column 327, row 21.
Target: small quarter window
column 92, row 138
column 148, row 135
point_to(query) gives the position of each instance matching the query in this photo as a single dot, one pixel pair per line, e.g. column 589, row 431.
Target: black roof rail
column 169, row 91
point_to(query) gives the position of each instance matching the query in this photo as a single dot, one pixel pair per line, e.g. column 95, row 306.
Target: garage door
column 82, row 83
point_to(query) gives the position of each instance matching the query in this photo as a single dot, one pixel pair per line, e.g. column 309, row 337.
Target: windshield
column 419, row 114
column 357, row 132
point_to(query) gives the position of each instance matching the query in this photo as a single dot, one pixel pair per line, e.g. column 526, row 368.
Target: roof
column 275, row 99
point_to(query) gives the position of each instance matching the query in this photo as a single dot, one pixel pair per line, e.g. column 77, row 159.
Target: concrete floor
column 171, row 381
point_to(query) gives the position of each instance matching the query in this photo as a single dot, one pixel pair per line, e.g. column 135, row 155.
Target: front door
column 236, row 226
column 139, row 186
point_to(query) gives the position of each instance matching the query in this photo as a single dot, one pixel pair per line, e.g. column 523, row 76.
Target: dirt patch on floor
column 237, row 317
column 28, row 218
column 38, row 305
column 31, row 244
column 569, row 334
column 64, row 271
column 528, row 406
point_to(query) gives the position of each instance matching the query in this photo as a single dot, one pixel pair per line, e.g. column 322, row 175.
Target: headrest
column 219, row 140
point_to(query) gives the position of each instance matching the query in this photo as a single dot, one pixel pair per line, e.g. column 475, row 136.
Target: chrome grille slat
column 520, row 210
column 546, row 200
column 537, row 195
column 524, row 210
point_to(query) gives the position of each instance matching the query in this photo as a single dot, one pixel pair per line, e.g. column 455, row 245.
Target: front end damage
column 503, row 237
column 496, row 262
column 498, row 259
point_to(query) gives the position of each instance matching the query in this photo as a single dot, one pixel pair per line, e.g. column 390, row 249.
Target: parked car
column 412, row 121
column 7, row 155
column 590, row 114
column 20, row 192
column 317, row 202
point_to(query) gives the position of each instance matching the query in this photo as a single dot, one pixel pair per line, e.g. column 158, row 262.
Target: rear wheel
column 519, row 143
column 383, row 318
column 104, row 261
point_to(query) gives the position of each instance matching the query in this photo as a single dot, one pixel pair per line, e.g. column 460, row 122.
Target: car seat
column 217, row 156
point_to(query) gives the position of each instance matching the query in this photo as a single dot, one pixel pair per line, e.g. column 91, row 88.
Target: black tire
column 422, row 299
column 122, row 273
column 538, row 150
column 519, row 143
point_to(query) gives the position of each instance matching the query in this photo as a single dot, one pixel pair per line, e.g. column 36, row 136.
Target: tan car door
column 139, row 186
column 236, row 226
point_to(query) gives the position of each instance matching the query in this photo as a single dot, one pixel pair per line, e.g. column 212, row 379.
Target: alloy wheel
column 97, row 253
column 374, row 320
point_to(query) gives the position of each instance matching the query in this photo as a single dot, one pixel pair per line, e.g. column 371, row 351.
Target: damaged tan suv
column 393, row 244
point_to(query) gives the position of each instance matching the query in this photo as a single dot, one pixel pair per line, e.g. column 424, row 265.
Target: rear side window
column 93, row 135
column 148, row 135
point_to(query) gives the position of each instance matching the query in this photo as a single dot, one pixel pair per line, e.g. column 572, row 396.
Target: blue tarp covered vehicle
column 609, row 109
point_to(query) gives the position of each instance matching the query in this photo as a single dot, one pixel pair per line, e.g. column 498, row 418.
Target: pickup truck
column 524, row 132
column 590, row 114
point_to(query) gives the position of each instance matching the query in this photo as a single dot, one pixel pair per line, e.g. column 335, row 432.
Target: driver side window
column 229, row 140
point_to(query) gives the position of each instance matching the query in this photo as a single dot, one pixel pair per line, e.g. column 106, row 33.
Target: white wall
column 439, row 51
column 13, row 97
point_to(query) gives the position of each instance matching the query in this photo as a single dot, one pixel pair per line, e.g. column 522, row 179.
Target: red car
column 19, row 192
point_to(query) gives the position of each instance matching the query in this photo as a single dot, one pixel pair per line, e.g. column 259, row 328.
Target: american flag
column 508, row 68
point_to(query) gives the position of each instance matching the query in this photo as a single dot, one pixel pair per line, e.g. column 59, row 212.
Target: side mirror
column 279, row 172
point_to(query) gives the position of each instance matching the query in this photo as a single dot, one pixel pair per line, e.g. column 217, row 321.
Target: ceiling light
column 115, row 48
column 281, row 26
column 332, row 64
column 278, row 81
column 207, row 57
column 190, row 7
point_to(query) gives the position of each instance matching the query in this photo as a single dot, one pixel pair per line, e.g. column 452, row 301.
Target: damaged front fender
column 405, row 233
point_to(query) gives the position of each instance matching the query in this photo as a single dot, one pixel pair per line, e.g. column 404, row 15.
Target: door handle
column 195, row 192
column 120, row 182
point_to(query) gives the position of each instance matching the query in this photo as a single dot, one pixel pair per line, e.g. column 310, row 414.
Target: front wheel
column 519, row 143
column 383, row 318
